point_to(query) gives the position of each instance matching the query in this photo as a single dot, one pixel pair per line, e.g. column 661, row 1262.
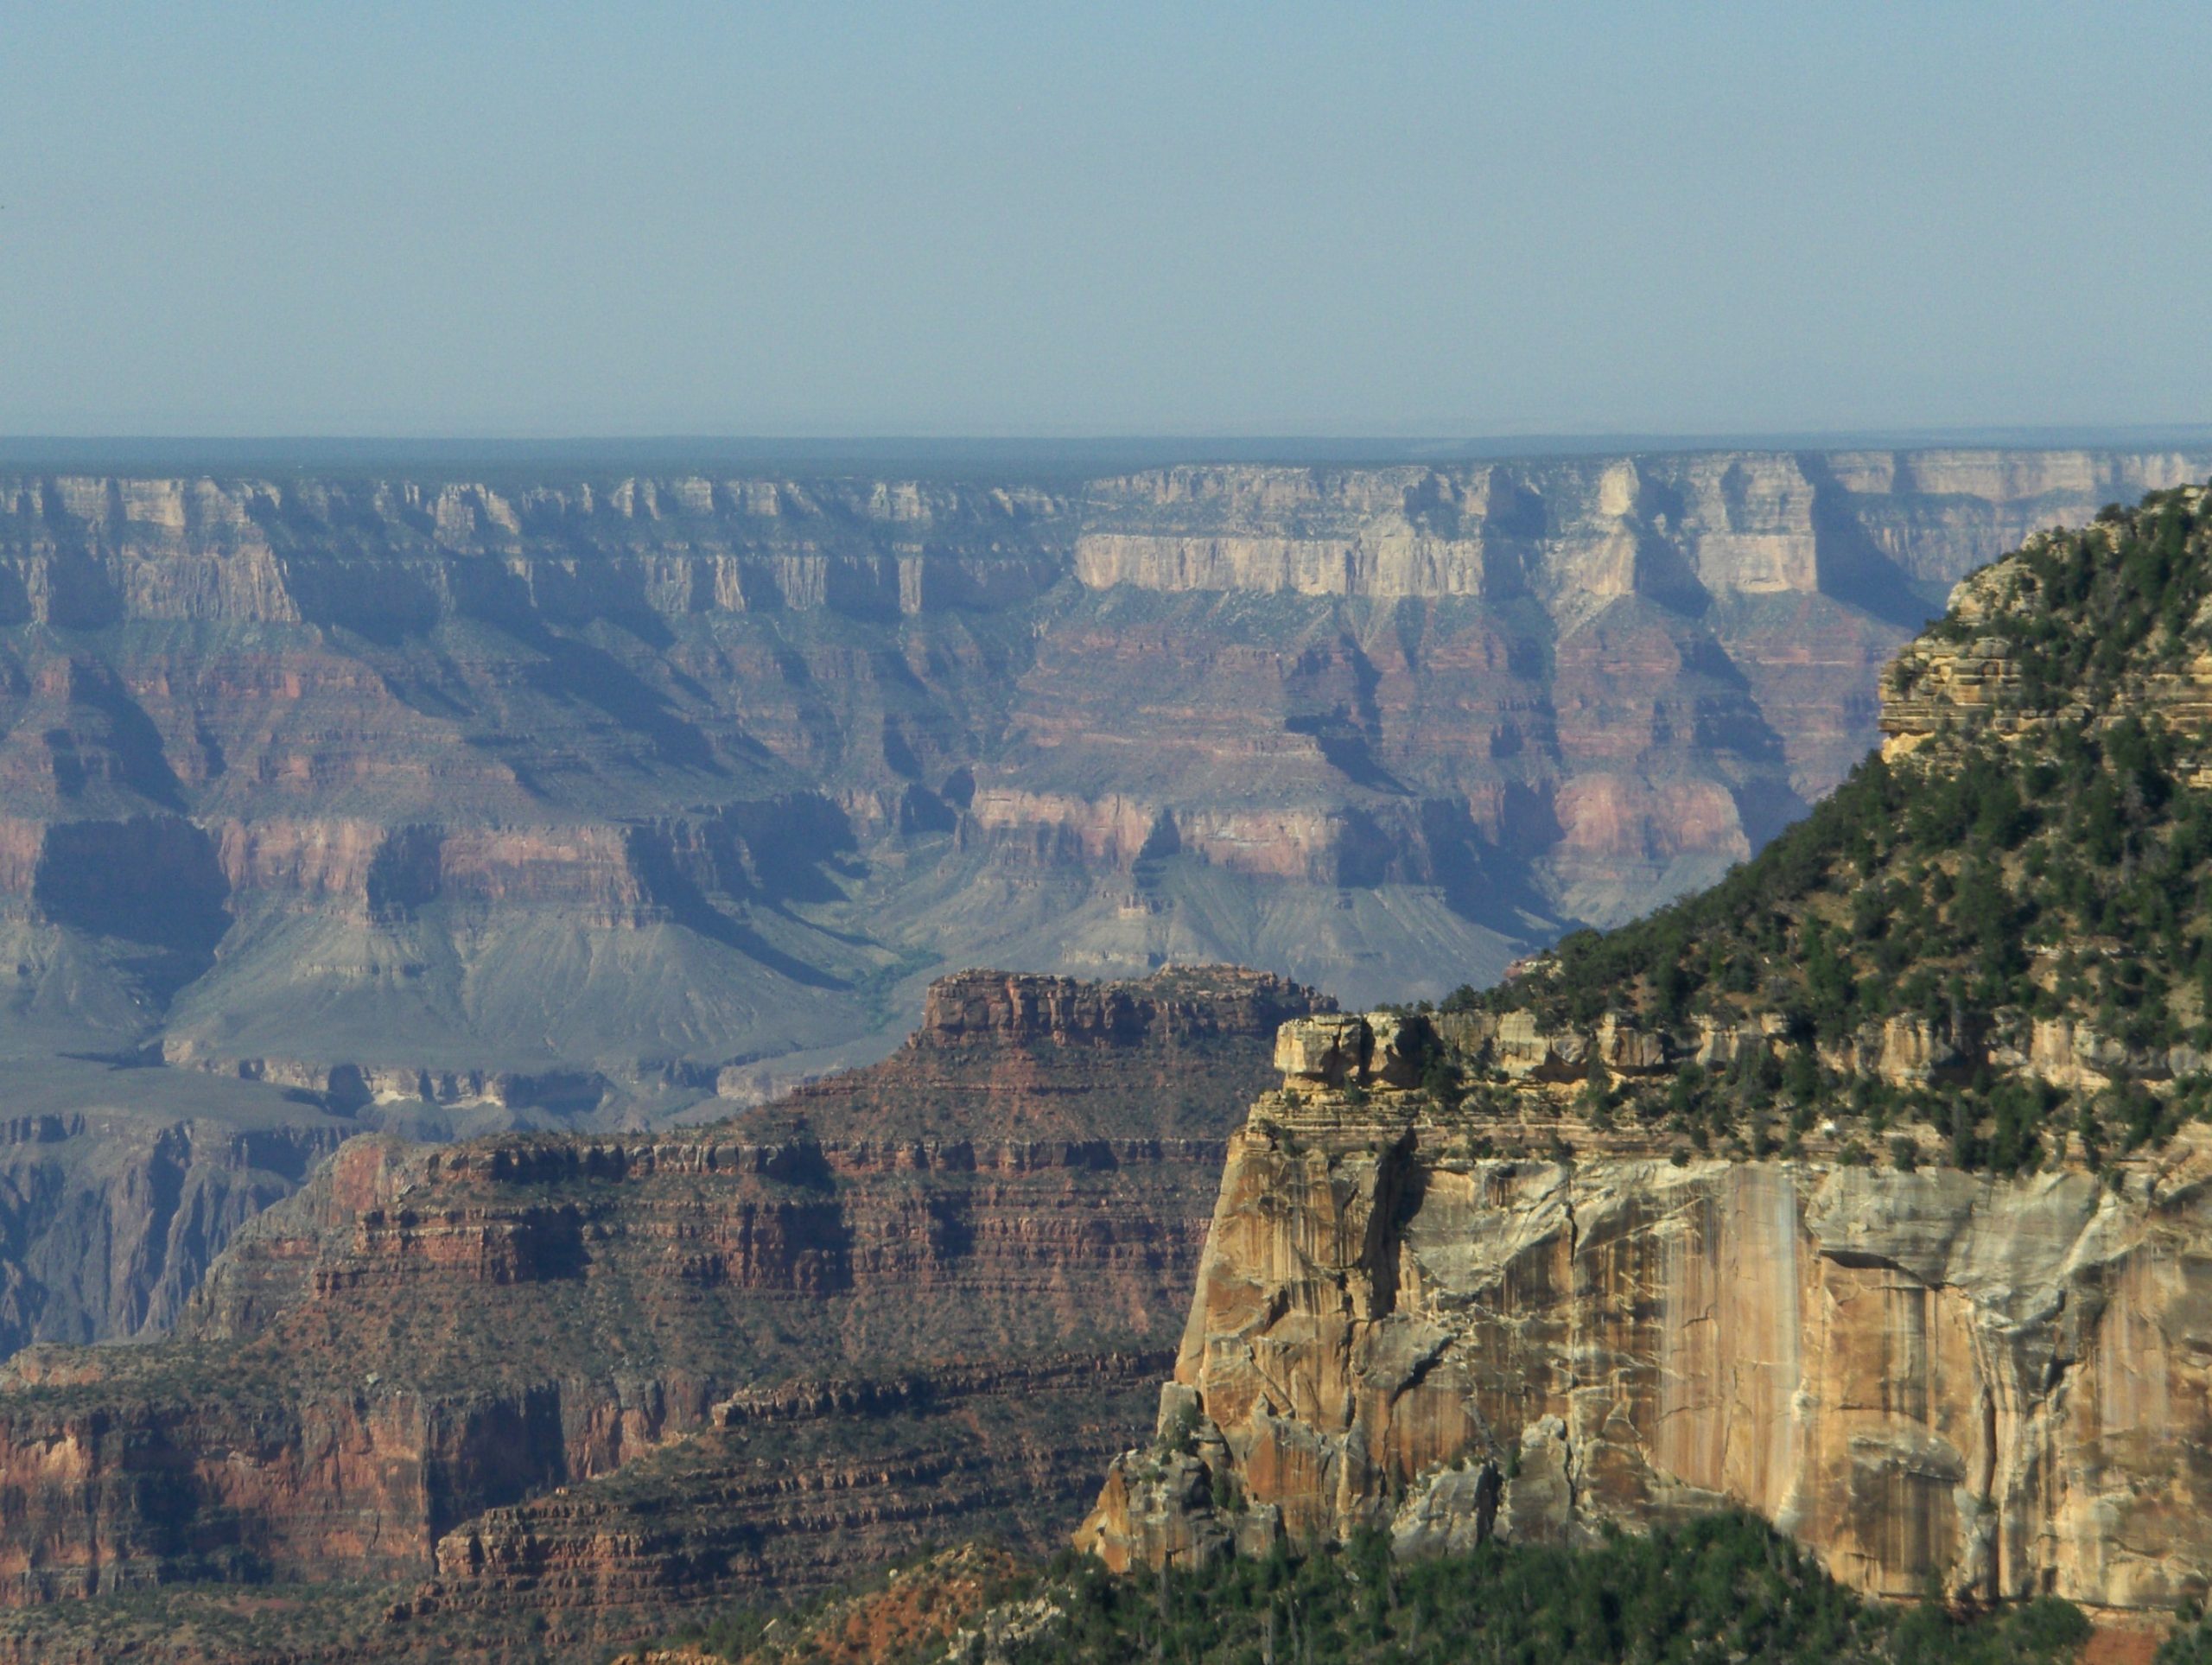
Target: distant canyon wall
column 81, row 550
column 1575, row 532
column 459, row 803
column 379, row 554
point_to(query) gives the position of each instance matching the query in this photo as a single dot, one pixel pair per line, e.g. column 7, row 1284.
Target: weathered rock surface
column 1035, row 1057
column 937, row 1308
column 1999, row 1383
column 795, row 1492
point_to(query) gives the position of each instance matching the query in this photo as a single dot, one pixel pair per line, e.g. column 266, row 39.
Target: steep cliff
column 1488, row 1272
column 1913, row 1374
column 604, row 1372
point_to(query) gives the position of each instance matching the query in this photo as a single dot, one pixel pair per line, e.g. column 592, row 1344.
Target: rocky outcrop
column 1996, row 1383
column 453, row 1360
column 998, row 1009
column 110, row 1219
column 1037, row 1056
column 1969, row 676
column 378, row 556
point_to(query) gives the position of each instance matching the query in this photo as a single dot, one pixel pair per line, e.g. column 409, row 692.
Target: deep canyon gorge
column 340, row 803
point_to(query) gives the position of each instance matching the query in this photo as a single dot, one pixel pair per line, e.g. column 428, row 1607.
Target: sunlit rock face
column 1999, row 1383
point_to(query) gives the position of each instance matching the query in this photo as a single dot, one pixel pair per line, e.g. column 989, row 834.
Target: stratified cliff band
column 439, row 806
column 605, row 1374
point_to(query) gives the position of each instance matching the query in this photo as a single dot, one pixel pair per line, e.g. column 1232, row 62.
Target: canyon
column 1615, row 1242
column 341, row 803
column 591, row 1378
column 1527, row 1264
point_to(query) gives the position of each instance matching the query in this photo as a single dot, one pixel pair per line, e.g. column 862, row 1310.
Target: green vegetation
column 2191, row 1641
column 1724, row 1587
column 2086, row 611
column 338, row 1622
column 2046, row 855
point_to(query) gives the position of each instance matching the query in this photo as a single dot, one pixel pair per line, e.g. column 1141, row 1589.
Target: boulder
column 1331, row 1049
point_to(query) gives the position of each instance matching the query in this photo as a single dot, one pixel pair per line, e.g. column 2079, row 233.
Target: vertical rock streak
column 2003, row 1384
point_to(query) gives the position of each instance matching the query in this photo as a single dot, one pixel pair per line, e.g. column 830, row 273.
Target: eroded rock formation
column 376, row 741
column 822, row 1345
column 2000, row 1383
column 452, row 805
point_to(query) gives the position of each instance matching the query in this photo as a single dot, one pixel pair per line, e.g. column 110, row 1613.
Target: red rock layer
column 957, row 1324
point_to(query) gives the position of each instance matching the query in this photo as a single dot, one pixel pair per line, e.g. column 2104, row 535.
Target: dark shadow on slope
column 422, row 694
column 575, row 673
column 782, row 849
column 152, row 882
column 668, row 887
column 572, row 672
column 141, row 756
column 383, row 601
column 1482, row 883
column 1346, row 750
column 405, row 873
column 1766, row 809
column 1852, row 568
column 1663, row 575
column 600, row 586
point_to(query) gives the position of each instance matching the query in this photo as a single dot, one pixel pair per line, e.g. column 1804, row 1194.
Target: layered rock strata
column 1999, row 1383
column 373, row 739
column 456, row 804
column 792, row 1492
column 448, row 1360
column 1035, row 1057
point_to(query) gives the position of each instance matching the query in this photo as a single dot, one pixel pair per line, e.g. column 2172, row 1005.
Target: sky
column 1041, row 220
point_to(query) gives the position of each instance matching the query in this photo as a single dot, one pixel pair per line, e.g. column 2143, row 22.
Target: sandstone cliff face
column 1998, row 1383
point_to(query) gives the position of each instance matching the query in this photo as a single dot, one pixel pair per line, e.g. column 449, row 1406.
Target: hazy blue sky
column 1356, row 219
